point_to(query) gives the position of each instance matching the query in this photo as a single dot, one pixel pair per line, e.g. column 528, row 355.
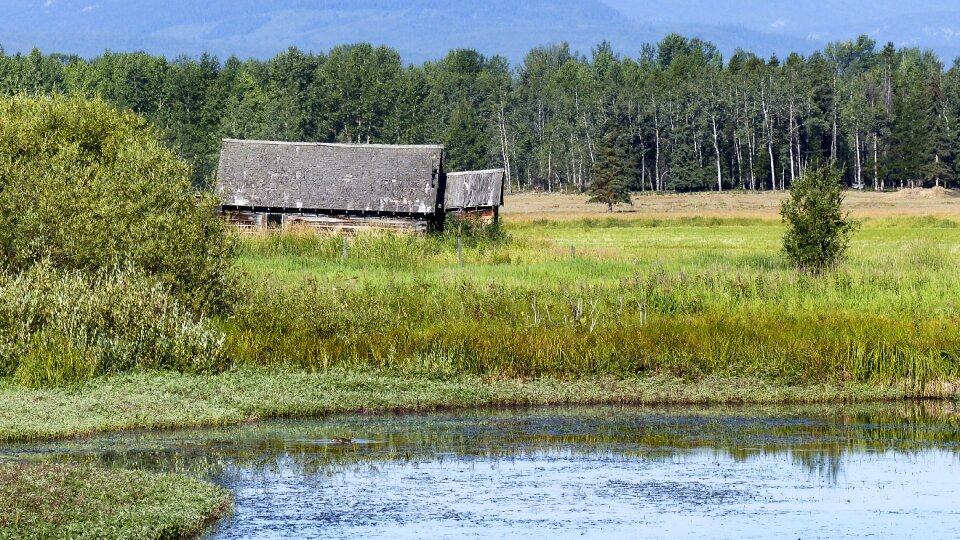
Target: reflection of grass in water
column 815, row 438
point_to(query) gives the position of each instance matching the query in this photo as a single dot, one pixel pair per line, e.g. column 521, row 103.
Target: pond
column 585, row 472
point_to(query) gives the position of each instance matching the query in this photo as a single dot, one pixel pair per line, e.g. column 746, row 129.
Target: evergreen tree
column 909, row 137
column 464, row 139
column 686, row 172
column 611, row 180
column 937, row 150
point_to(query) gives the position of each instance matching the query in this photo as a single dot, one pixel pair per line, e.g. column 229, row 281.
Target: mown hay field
column 935, row 202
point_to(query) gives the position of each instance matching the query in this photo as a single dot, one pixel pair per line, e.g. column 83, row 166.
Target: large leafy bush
column 85, row 187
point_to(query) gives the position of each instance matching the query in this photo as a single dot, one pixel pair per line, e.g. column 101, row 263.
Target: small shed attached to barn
column 331, row 185
column 475, row 193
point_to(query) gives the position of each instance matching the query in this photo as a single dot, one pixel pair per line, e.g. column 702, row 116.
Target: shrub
column 473, row 230
column 86, row 187
column 818, row 233
column 60, row 327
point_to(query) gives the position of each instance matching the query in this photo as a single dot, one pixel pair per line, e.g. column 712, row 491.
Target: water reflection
column 570, row 471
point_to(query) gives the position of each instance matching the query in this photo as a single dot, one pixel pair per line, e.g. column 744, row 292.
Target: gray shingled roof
column 325, row 176
column 474, row 189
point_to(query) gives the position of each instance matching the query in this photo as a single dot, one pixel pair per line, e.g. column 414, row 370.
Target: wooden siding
column 322, row 177
column 474, row 189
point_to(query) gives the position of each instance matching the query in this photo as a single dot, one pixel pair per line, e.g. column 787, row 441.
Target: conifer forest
column 684, row 117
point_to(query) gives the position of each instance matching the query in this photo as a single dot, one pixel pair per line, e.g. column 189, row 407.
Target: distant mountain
column 419, row 29
column 930, row 24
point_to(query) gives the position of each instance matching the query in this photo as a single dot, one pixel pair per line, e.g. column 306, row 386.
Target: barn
column 475, row 193
column 328, row 185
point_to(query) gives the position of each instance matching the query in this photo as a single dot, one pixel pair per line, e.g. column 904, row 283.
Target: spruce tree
column 937, row 150
column 686, row 173
column 910, row 136
column 611, row 180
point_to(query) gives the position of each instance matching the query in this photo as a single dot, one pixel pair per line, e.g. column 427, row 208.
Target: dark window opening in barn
column 274, row 221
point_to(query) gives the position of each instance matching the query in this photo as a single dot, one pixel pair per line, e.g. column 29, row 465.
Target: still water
column 586, row 472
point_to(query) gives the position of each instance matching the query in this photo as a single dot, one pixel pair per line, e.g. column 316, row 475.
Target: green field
column 687, row 297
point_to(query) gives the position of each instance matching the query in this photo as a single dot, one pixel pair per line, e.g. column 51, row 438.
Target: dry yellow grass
column 937, row 202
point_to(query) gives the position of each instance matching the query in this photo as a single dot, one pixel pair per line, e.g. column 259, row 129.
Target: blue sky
column 426, row 29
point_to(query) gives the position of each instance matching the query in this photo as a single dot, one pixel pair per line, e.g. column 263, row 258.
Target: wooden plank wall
column 474, row 189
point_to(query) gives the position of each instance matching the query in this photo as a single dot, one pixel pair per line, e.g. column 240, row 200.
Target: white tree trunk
column 716, row 151
column 859, row 164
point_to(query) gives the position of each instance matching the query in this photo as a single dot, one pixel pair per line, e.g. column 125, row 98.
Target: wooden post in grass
column 460, row 250
column 573, row 252
column 344, row 248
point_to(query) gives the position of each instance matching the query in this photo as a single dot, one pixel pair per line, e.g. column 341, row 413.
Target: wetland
column 854, row 470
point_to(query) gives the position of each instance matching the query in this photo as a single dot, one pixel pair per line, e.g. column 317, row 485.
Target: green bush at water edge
column 85, row 187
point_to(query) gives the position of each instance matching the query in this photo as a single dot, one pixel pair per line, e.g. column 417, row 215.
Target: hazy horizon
column 427, row 29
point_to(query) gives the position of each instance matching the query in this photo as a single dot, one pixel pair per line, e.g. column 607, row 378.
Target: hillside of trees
column 685, row 118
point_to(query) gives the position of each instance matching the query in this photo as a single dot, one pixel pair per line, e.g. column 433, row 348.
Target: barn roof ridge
column 331, row 176
column 337, row 145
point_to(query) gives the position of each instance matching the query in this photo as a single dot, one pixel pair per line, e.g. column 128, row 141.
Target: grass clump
column 61, row 327
column 474, row 231
column 47, row 501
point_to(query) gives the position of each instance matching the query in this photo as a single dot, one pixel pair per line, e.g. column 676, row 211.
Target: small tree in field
column 611, row 183
column 818, row 232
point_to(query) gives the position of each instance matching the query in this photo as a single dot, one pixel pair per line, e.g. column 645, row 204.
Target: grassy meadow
column 621, row 295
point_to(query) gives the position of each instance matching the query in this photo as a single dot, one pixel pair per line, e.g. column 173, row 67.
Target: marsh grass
column 166, row 399
column 687, row 297
column 45, row 500
column 52, row 359
column 63, row 327
column 691, row 297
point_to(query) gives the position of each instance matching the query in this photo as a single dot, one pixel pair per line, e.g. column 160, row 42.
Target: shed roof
column 474, row 189
column 385, row 178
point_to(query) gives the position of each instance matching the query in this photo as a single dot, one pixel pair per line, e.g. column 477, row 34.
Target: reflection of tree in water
column 817, row 438
column 826, row 463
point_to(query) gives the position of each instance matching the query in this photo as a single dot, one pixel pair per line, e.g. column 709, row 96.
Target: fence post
column 573, row 252
column 344, row 248
column 460, row 250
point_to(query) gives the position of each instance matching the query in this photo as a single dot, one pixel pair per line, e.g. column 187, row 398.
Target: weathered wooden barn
column 326, row 185
column 475, row 193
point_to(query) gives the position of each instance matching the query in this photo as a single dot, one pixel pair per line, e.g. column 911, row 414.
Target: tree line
column 678, row 116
